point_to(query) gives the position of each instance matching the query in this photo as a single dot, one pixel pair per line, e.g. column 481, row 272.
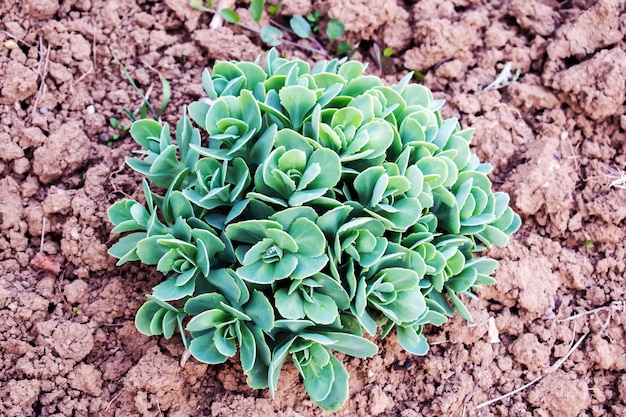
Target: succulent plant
column 308, row 206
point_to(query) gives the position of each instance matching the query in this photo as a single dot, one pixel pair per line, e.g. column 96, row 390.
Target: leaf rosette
column 307, row 207
column 289, row 245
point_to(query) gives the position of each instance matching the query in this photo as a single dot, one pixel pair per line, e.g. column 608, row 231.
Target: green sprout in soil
column 300, row 210
column 277, row 33
column 121, row 129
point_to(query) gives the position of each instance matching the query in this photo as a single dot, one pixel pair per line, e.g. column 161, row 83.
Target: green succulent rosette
column 298, row 209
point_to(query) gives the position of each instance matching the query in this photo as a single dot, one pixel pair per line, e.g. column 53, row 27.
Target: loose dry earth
column 556, row 138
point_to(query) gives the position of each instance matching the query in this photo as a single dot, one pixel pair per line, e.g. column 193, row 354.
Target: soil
column 555, row 136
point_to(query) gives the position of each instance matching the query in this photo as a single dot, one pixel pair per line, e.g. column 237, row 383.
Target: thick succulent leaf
column 203, row 349
column 351, row 344
column 318, row 380
column 323, row 309
column 307, row 266
column 493, row 236
column 290, row 306
column 170, row 320
column 247, row 347
column 207, row 320
column 203, row 302
column 126, row 248
column 278, row 359
column 297, row 102
column 169, row 290
column 406, row 213
column 150, row 250
column 339, row 391
column 458, row 304
column 411, row 340
column 250, row 231
column 260, row 310
column 463, row 281
column 365, row 182
column 284, row 240
column 227, row 346
column 147, row 133
column 309, row 238
column 261, row 272
column 330, row 221
column 144, row 317
column 127, row 210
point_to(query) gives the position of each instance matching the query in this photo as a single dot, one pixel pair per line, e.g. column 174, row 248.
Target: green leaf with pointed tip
column 307, row 266
column 256, row 9
column 283, row 240
column 168, row 290
column 247, row 348
column 126, row 248
column 458, row 304
column 229, row 15
column 493, row 236
column 250, row 231
column 351, row 344
column 170, row 320
column 297, row 101
column 203, row 302
column 260, row 311
column 463, row 281
column 156, row 325
column 365, row 182
column 278, row 359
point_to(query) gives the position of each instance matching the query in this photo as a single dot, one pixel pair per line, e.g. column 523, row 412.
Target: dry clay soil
column 556, row 138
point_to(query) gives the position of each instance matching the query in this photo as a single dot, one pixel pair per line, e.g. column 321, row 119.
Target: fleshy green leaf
column 271, row 35
column 300, row 26
column 339, row 391
column 203, row 349
column 335, row 29
column 229, row 15
column 411, row 340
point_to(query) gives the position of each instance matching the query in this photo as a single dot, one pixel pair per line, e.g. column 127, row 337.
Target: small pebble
column 25, row 284
column 43, row 110
column 91, row 109
column 10, row 45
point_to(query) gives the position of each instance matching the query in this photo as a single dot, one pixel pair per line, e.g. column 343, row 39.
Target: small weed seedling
column 276, row 33
column 300, row 208
column 121, row 130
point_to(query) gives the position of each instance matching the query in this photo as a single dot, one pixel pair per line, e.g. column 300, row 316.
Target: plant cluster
column 324, row 205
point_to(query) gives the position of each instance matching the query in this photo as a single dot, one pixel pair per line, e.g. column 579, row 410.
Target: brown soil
column 556, row 138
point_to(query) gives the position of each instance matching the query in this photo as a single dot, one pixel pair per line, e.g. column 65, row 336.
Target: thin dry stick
column 42, row 71
column 15, row 38
column 43, row 233
column 614, row 306
column 115, row 397
column 553, row 368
